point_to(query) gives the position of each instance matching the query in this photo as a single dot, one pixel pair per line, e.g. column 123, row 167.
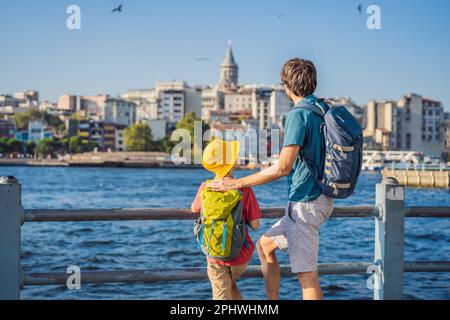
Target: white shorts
column 298, row 232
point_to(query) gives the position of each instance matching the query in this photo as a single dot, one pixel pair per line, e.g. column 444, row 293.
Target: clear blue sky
column 160, row 40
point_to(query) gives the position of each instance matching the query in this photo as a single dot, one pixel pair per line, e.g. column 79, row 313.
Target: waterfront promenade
column 96, row 159
column 108, row 159
column 81, row 193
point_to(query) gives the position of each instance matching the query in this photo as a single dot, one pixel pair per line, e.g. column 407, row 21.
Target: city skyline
column 108, row 55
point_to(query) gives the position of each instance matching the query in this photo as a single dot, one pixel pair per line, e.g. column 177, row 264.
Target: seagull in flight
column 279, row 16
column 360, row 8
column 118, row 9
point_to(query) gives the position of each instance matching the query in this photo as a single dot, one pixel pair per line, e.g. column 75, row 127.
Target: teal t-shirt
column 303, row 128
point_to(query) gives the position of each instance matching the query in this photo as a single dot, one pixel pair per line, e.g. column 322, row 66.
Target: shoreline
column 104, row 164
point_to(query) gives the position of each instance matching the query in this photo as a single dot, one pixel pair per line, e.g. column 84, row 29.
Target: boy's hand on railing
column 224, row 184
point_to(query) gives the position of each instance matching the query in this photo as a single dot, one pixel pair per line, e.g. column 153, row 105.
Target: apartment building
column 422, row 125
column 212, row 100
column 120, row 112
column 169, row 101
column 87, row 106
column 176, row 99
column 119, row 141
column 413, row 123
column 270, row 106
column 36, row 130
column 239, row 101
column 382, row 124
column 146, row 101
column 7, row 128
column 447, row 132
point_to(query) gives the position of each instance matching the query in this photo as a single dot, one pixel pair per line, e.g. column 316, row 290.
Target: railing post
column 11, row 219
column 389, row 239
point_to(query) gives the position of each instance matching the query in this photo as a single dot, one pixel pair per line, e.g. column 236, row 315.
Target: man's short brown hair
column 299, row 76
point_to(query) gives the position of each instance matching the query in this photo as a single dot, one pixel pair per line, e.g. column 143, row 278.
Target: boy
column 220, row 157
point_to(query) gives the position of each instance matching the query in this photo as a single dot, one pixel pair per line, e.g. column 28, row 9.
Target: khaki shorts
column 222, row 279
column 298, row 232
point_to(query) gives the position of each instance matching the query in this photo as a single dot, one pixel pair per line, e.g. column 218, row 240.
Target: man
column 298, row 231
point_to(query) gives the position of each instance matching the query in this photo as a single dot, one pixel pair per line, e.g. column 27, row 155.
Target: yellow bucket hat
column 220, row 156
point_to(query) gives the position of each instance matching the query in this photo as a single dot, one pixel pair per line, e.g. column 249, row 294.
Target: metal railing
column 389, row 265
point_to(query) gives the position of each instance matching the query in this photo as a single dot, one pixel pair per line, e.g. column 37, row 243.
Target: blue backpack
column 344, row 150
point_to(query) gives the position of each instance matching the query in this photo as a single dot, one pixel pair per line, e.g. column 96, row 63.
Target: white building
column 212, row 100
column 119, row 139
column 421, row 125
column 382, row 125
column 158, row 128
column 176, row 99
column 92, row 107
column 7, row 100
column 169, row 101
column 36, row 130
column 414, row 123
column 48, row 106
column 27, row 99
column 119, row 111
column 270, row 106
column 239, row 101
column 447, row 131
column 146, row 101
column 261, row 106
column 279, row 106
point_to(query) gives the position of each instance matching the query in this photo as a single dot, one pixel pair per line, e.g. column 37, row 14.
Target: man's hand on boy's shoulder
column 224, row 184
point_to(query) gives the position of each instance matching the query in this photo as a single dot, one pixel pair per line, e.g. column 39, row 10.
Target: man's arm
column 288, row 156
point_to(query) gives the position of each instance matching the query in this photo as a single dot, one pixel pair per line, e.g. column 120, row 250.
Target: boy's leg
column 235, row 292
column 310, row 284
column 221, row 282
column 269, row 266
column 236, row 272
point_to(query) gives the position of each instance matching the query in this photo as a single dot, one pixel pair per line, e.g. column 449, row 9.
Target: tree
column 45, row 147
column 52, row 120
column 14, row 145
column 75, row 145
column 31, row 145
column 22, row 119
column 188, row 123
column 165, row 145
column 4, row 148
column 77, row 116
column 139, row 138
column 90, row 146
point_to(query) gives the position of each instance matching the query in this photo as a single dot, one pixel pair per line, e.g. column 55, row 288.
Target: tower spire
column 229, row 70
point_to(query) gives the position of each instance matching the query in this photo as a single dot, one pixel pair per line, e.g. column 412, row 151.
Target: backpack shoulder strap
column 320, row 107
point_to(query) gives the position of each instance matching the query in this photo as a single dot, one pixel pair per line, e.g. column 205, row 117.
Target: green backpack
column 220, row 231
